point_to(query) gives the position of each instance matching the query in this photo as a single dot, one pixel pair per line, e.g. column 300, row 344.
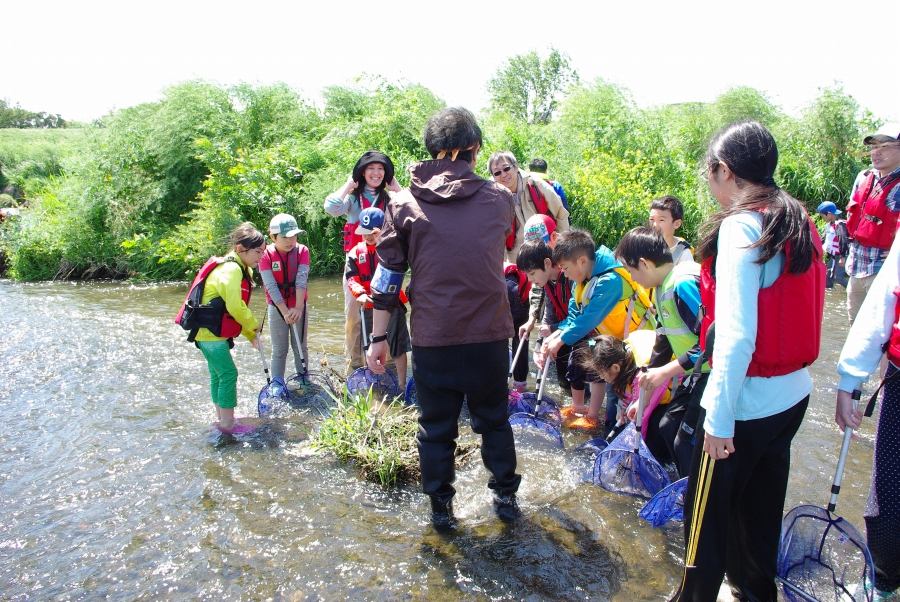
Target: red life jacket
column 893, row 345
column 559, row 295
column 286, row 274
column 213, row 316
column 540, row 204
column 351, row 238
column 869, row 221
column 524, row 282
column 789, row 315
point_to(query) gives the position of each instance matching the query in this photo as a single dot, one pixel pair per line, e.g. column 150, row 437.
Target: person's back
column 454, row 226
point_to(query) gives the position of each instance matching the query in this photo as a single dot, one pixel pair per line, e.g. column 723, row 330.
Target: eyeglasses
column 502, row 170
column 883, row 146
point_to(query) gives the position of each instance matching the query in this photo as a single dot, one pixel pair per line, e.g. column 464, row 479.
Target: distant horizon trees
column 17, row 117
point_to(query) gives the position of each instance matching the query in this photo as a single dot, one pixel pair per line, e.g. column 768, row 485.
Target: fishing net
column 274, row 399
column 666, row 505
column 411, row 398
column 823, row 557
column 534, row 429
column 311, row 389
column 381, row 385
column 581, row 464
column 521, row 402
column 620, row 469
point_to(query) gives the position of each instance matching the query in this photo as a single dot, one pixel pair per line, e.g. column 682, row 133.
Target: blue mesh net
column 581, row 464
column 521, row 403
column 619, row 470
column 549, row 411
column 312, row 388
column 666, row 505
column 273, row 399
column 823, row 557
column 382, row 385
column 528, row 426
column 411, row 398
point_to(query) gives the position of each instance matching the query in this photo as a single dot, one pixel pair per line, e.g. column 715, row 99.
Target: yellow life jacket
column 628, row 315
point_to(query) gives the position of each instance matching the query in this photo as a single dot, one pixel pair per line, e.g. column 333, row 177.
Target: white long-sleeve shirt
column 872, row 327
column 730, row 394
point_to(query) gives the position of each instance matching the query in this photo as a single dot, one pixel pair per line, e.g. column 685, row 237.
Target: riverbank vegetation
column 149, row 192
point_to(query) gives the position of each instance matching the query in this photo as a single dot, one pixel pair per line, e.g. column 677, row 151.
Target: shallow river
column 114, row 485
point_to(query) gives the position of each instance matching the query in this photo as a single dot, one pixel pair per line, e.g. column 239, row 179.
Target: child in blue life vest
column 284, row 268
column 619, row 363
column 361, row 264
column 605, row 300
column 647, row 257
column 667, row 215
column 231, row 281
column 835, row 243
column 535, row 259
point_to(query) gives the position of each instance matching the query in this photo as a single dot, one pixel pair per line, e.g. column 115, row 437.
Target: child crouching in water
column 284, row 268
column 361, row 264
column 231, row 281
column 619, row 363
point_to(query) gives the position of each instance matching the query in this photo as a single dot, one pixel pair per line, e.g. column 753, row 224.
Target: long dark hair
column 381, row 195
column 602, row 353
column 750, row 152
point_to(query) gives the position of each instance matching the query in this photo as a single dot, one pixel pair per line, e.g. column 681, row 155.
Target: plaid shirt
column 866, row 261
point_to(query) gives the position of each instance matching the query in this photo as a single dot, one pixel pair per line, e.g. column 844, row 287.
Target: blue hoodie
column 607, row 293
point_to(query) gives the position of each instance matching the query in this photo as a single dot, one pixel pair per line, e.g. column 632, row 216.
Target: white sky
column 83, row 58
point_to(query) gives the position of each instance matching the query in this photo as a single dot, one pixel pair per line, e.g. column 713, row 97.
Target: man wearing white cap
column 872, row 214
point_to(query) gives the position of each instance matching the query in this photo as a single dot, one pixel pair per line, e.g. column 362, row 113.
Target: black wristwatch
column 379, row 339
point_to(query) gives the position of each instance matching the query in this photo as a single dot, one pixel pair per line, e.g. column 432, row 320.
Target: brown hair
column 247, row 236
column 602, row 353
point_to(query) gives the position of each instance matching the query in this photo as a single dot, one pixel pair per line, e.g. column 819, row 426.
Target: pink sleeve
column 304, row 255
column 654, row 401
column 265, row 262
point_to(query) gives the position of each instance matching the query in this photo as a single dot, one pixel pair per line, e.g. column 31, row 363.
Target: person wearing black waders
column 878, row 325
column 763, row 282
column 449, row 228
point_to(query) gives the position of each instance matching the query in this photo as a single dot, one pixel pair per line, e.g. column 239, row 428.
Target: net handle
column 842, row 459
column 540, row 395
column 639, row 418
column 262, row 356
column 298, row 341
column 365, row 335
column 516, row 357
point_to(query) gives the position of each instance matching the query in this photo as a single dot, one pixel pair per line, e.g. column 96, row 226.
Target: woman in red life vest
column 284, row 269
column 879, row 324
column 763, row 282
column 532, row 194
column 369, row 185
column 232, row 281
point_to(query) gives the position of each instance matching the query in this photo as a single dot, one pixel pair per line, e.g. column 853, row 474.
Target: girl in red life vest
column 232, row 281
column 763, row 282
column 284, row 268
column 369, row 185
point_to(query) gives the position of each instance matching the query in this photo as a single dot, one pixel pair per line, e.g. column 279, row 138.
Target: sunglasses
column 502, row 170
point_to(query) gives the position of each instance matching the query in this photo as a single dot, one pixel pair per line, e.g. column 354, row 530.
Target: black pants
column 520, row 370
column 685, row 405
column 443, row 376
column 738, row 503
column 883, row 505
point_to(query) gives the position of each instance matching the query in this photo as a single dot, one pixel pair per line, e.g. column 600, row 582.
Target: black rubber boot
column 506, row 507
column 442, row 514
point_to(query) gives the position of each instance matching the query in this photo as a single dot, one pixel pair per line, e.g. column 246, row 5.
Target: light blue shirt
column 730, row 394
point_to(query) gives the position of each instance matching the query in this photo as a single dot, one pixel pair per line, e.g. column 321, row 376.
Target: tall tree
column 530, row 88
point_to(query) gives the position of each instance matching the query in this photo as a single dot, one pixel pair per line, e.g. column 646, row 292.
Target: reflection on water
column 113, row 484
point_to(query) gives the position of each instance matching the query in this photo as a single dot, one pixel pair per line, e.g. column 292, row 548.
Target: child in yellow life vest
column 604, row 301
column 647, row 257
column 361, row 264
column 231, row 281
column 619, row 363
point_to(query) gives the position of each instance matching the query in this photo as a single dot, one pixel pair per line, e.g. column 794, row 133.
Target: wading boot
column 506, row 507
column 442, row 515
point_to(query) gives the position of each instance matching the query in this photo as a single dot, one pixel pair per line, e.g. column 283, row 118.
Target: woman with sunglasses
column 762, row 281
column 532, row 195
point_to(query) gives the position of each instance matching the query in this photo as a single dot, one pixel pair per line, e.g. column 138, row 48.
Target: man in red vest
column 872, row 214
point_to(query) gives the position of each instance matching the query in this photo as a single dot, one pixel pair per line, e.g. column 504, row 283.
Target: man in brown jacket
column 449, row 228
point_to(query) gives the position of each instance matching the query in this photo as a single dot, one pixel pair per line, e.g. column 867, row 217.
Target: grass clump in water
column 379, row 437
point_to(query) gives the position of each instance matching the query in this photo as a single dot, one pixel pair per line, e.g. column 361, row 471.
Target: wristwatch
column 379, row 338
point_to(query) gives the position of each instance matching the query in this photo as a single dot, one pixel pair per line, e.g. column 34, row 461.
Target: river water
column 114, row 485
